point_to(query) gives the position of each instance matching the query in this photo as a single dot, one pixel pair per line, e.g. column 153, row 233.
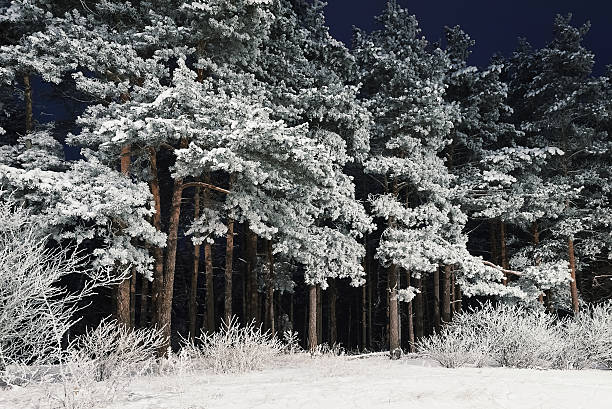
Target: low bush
column 516, row 337
column 234, row 349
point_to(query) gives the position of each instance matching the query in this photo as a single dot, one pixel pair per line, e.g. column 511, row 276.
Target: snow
column 376, row 382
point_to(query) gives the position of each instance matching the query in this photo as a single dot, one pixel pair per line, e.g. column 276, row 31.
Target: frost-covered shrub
column 236, row 349
column 291, row 342
column 102, row 362
column 114, row 350
column 36, row 311
column 455, row 346
column 588, row 338
column 502, row 335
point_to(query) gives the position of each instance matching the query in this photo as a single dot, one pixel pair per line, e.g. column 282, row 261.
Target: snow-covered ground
column 377, row 382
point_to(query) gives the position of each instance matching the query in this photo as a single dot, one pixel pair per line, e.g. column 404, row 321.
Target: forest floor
column 347, row 383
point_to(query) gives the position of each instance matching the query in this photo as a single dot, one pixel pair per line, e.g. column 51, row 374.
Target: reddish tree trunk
column 123, row 312
column 269, row 317
column 158, row 255
column 253, row 294
column 29, row 121
column 164, row 314
column 503, row 250
column 573, row 286
column 333, row 332
column 319, row 315
column 394, row 340
column 419, row 310
column 193, row 290
column 446, row 305
column 229, row 258
column 144, row 302
column 312, row 318
column 436, row 299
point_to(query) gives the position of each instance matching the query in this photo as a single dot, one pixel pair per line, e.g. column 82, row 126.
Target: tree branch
column 503, row 270
column 206, row 186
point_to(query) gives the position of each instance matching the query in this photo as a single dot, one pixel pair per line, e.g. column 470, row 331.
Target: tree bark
column 229, row 258
column 394, row 341
column 157, row 286
column 419, row 310
column 370, row 286
column 436, row 299
column 124, row 288
column 494, row 241
column 573, row 286
column 269, row 317
column 210, row 289
column 333, row 332
column 312, row 318
column 446, row 306
column 144, row 303
column 193, row 293
column 133, row 299
column 411, row 329
column 458, row 297
column 164, row 315
column 319, row 315
column 253, row 294
column 503, row 250
column 29, row 121
column 364, row 316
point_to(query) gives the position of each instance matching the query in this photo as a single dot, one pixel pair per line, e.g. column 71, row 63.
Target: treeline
column 236, row 159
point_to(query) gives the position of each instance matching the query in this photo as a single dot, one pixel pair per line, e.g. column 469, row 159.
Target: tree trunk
column 394, row 342
column 29, row 121
column 210, row 289
column 269, row 317
column 291, row 312
column 319, row 315
column 123, row 289
column 333, row 332
column 144, row 303
column 436, row 299
column 193, row 293
column 312, row 318
column 458, row 297
column 419, row 310
column 503, row 250
column 573, row 286
column 370, row 286
column 494, row 241
column 410, row 317
column 229, row 258
column 157, row 287
column 364, row 317
column 253, row 294
column 164, row 314
column 133, row 299
column 446, row 306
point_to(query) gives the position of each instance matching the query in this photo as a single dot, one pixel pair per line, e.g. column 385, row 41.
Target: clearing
column 344, row 382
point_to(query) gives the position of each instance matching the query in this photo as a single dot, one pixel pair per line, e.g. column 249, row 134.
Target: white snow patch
column 344, row 383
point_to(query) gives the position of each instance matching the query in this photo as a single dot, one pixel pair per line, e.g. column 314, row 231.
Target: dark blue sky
column 494, row 25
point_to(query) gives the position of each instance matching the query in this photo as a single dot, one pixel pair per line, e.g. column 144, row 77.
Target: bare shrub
column 503, row 335
column 235, row 349
column 102, row 362
column 455, row 346
column 36, row 310
column 588, row 338
column 113, row 350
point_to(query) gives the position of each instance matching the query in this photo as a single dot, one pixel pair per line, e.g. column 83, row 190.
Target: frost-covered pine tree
column 495, row 173
column 317, row 95
column 559, row 106
column 403, row 83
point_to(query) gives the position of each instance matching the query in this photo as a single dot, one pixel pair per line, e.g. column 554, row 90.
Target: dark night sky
column 494, row 25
